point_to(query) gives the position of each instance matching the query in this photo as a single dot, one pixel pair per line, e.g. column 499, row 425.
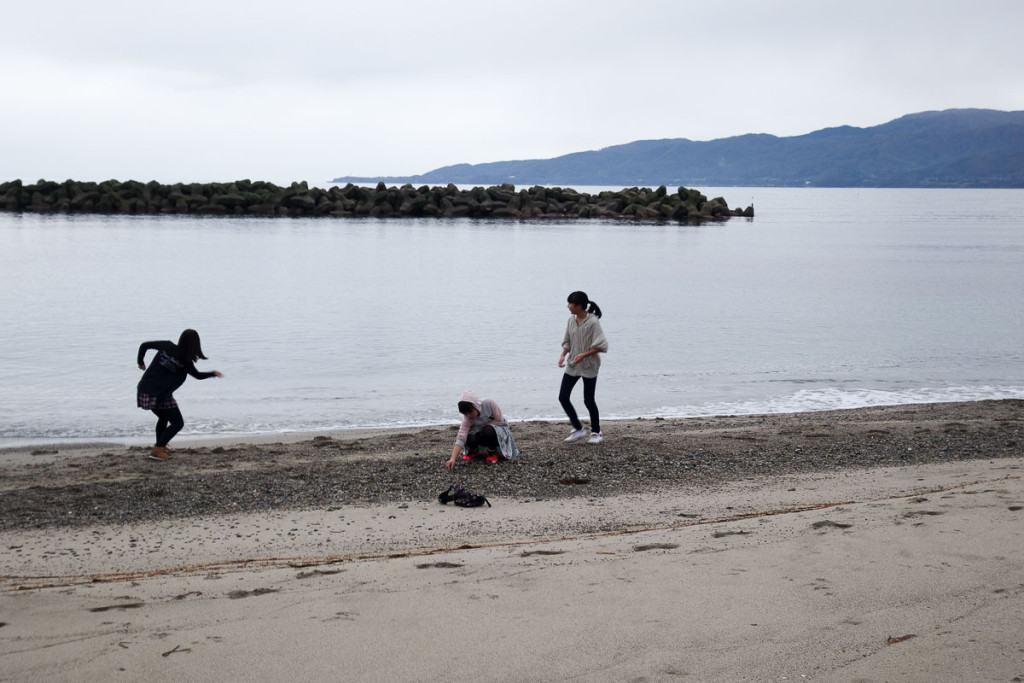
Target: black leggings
column 168, row 424
column 486, row 437
column 589, row 386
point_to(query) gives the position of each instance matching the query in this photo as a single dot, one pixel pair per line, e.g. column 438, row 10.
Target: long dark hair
column 580, row 299
column 189, row 348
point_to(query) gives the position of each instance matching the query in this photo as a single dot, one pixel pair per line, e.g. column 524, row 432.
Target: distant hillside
column 952, row 148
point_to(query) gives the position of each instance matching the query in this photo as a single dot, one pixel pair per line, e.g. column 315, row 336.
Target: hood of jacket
column 483, row 408
column 470, row 397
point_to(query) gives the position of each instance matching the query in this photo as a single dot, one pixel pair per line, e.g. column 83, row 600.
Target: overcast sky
column 217, row 90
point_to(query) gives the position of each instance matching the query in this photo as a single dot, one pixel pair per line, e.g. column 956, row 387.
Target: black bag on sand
column 461, row 497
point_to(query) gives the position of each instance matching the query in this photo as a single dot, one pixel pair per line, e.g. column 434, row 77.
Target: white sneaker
column 577, row 435
column 595, row 438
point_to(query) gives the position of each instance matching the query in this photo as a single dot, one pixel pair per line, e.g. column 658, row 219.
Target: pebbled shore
column 52, row 488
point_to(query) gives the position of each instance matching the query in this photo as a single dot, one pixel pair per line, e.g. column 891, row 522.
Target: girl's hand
column 450, row 464
column 217, row 373
column 579, row 358
column 142, row 366
column 561, row 360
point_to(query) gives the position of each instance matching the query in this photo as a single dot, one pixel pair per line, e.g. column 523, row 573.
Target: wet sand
column 874, row 544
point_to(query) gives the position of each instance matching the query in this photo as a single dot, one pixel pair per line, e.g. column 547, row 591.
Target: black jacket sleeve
column 197, row 374
column 152, row 345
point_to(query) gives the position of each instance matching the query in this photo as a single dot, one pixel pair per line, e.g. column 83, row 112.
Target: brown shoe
column 159, row 453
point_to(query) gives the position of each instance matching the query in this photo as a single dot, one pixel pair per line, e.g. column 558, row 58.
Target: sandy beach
column 876, row 544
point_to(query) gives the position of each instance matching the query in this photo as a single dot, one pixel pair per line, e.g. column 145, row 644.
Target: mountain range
column 951, row 148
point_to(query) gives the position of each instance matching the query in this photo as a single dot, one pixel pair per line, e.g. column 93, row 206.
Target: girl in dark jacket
column 166, row 373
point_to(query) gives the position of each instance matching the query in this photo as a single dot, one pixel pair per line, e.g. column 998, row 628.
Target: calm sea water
column 829, row 298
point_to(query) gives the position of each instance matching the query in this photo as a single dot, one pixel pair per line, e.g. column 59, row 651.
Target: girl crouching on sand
column 166, row 373
column 482, row 426
column 583, row 341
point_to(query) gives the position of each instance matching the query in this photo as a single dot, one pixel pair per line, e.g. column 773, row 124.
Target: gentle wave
column 817, row 400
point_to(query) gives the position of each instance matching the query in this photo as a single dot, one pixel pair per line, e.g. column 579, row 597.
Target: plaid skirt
column 151, row 402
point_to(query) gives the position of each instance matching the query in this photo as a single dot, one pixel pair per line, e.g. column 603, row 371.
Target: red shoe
column 469, row 456
column 492, row 458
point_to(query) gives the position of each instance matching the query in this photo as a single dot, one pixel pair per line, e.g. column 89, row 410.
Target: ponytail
column 580, row 299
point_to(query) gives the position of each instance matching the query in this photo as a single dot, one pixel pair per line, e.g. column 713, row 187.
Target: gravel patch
column 118, row 485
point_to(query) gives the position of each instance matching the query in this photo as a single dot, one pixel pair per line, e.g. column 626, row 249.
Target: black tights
column 589, row 387
column 486, row 437
column 169, row 422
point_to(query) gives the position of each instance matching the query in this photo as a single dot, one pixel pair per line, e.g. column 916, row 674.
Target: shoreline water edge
column 207, row 434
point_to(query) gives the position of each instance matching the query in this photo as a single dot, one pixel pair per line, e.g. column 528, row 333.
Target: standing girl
column 166, row 373
column 583, row 341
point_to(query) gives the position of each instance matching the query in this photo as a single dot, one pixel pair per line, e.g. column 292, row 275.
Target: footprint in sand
column 235, row 595
column 655, row 546
column 439, row 565
column 527, row 553
column 829, row 524
column 723, row 534
column 318, row 572
column 130, row 605
column 342, row 616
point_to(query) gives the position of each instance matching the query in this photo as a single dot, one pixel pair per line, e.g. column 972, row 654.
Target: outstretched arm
column 460, row 441
column 450, row 463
